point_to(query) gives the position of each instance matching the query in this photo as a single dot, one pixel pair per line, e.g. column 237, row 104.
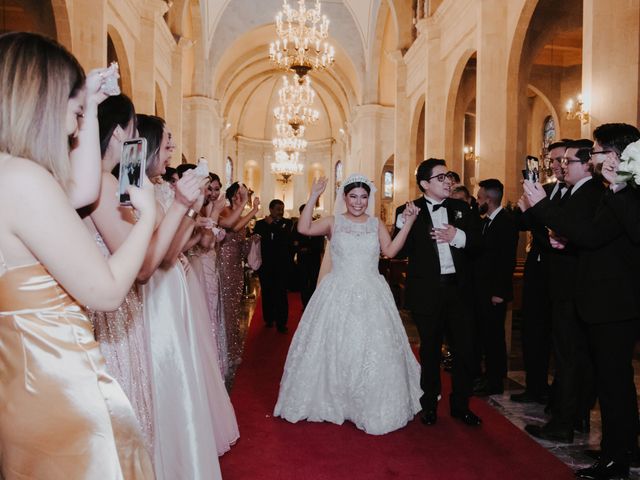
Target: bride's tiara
column 356, row 178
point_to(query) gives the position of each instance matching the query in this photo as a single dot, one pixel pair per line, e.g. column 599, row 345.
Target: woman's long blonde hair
column 38, row 76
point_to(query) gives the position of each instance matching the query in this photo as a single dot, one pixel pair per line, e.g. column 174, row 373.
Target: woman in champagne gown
column 185, row 441
column 63, row 416
column 350, row 358
column 203, row 259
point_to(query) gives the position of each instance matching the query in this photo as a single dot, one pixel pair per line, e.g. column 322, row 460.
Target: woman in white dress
column 350, row 358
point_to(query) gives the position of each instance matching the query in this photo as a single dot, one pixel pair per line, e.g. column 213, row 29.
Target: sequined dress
column 124, row 344
column 233, row 250
column 350, row 358
column 62, row 415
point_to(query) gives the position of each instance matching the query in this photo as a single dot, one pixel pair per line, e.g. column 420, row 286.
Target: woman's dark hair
column 151, row 128
column 168, row 174
column 183, row 167
column 231, row 191
column 214, row 178
column 351, row 186
column 114, row 111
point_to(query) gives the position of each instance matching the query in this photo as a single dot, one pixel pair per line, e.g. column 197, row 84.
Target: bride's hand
column 318, row 186
column 410, row 213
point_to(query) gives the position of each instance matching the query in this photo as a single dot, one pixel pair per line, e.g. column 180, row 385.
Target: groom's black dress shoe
column 604, row 470
column 527, row 397
column 550, row 432
column 467, row 417
column 429, row 417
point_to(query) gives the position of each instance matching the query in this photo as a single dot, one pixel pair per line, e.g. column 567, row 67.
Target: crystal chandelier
column 295, row 100
column 301, row 44
column 286, row 165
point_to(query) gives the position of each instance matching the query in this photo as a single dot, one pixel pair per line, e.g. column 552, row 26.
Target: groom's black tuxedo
column 438, row 300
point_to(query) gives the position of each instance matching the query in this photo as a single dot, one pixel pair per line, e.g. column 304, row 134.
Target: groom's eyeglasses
column 598, row 152
column 441, row 177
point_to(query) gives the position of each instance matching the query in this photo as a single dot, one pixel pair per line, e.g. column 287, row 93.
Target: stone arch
column 403, row 19
column 159, row 103
column 417, row 139
column 371, row 93
column 120, row 51
column 63, row 25
column 455, row 102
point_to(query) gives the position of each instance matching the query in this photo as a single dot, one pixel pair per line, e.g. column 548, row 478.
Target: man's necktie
column 486, row 221
column 437, row 206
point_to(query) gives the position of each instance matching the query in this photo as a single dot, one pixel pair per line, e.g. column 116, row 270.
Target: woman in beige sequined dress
column 63, row 416
column 233, row 250
column 121, row 333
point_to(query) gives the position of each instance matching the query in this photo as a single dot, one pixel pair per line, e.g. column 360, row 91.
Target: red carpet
column 271, row 448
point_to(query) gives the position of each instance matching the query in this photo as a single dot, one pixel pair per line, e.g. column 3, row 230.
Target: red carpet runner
column 271, row 448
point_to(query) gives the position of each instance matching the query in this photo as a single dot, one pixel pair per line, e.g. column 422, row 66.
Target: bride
column 350, row 358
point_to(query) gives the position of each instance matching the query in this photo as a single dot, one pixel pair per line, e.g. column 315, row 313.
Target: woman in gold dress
column 62, row 416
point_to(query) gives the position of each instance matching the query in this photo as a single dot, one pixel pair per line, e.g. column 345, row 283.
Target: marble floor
column 519, row 414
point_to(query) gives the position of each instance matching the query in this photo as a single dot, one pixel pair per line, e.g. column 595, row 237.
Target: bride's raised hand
column 410, row 213
column 318, row 186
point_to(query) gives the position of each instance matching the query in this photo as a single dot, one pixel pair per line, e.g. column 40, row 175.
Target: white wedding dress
column 350, row 358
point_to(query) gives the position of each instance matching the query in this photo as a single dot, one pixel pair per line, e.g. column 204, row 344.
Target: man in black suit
column 493, row 284
column 438, row 291
column 309, row 255
column 607, row 298
column 275, row 246
column 536, row 298
column 574, row 394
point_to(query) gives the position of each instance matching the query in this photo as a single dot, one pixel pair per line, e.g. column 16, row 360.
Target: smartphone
column 531, row 170
column 132, row 165
column 202, row 169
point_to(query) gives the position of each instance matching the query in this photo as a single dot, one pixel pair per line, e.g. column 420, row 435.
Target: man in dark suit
column 308, row 255
column 275, row 246
column 438, row 291
column 493, row 284
column 574, row 393
column 536, row 298
column 607, row 298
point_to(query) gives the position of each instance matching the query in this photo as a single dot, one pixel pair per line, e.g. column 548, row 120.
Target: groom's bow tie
column 435, row 206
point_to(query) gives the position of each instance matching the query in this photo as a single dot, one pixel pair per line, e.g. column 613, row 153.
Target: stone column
column 403, row 177
column 201, row 127
column 610, row 54
column 491, row 98
column 89, row 33
column 144, row 78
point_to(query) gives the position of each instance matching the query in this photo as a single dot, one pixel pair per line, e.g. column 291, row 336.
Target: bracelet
column 191, row 213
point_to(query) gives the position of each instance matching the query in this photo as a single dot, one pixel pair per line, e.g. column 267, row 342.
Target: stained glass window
column 388, row 184
column 339, row 173
column 228, row 171
column 548, row 133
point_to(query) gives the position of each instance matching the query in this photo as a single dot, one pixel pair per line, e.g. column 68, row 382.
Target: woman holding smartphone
column 63, row 416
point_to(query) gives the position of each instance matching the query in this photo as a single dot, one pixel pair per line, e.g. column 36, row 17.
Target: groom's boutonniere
column 458, row 214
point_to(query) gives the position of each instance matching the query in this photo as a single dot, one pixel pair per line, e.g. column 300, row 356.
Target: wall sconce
column 577, row 110
column 468, row 152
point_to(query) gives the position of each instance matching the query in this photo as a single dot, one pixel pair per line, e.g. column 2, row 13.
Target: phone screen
column 132, row 165
column 531, row 170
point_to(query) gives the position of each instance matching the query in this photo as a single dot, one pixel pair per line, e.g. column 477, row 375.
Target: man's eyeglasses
column 441, row 177
column 553, row 159
column 598, row 152
column 566, row 161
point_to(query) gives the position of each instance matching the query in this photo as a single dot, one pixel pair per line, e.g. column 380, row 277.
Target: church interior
column 480, row 83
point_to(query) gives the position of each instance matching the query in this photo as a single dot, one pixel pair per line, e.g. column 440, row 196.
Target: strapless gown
column 184, row 438
column 61, row 415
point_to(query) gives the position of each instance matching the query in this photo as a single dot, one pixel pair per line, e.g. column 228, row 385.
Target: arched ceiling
column 352, row 24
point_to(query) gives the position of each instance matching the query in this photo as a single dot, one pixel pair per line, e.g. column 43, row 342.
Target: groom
column 439, row 287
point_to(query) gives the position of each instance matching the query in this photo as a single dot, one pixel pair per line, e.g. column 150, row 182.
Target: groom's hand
column 444, row 234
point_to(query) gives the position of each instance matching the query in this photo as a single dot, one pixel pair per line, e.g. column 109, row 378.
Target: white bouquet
column 629, row 168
